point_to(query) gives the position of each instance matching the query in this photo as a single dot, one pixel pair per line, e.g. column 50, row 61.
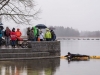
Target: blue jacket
column 1, row 33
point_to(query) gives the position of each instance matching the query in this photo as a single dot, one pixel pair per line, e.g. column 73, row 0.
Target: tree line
column 71, row 32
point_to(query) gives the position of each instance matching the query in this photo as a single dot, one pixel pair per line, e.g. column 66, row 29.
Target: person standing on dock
column 28, row 33
column 35, row 33
column 13, row 37
column 48, row 35
column 1, row 34
column 31, row 34
column 18, row 34
column 7, row 36
column 53, row 35
column 41, row 36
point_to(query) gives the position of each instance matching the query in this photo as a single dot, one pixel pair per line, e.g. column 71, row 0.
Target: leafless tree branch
column 20, row 11
column 6, row 2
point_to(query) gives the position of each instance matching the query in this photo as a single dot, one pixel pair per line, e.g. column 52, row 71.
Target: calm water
column 58, row 66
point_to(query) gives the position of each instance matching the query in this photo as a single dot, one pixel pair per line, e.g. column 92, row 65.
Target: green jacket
column 48, row 34
column 35, row 31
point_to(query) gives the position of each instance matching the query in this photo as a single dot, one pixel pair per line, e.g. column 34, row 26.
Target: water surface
column 58, row 66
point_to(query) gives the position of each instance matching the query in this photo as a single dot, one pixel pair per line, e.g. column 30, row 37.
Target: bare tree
column 20, row 11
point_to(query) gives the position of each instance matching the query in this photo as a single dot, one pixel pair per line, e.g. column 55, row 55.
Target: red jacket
column 13, row 36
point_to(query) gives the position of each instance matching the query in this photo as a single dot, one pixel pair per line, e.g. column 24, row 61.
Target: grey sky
column 79, row 14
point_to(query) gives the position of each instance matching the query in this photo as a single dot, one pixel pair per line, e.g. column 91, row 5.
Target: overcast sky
column 83, row 15
column 78, row 14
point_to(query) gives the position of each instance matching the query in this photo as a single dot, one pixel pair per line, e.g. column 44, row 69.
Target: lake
column 58, row 66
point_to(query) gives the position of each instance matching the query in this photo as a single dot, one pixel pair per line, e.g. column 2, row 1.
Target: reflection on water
column 29, row 67
column 71, row 61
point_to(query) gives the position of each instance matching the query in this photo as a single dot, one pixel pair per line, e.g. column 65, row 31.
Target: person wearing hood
column 18, row 34
column 35, row 33
column 28, row 33
column 13, row 37
column 31, row 34
column 7, row 36
column 53, row 35
column 48, row 35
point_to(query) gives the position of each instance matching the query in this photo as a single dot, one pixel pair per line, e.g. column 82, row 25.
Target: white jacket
column 41, row 36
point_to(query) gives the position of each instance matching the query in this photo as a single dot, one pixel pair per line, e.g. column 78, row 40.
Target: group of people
column 11, row 36
column 34, row 34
